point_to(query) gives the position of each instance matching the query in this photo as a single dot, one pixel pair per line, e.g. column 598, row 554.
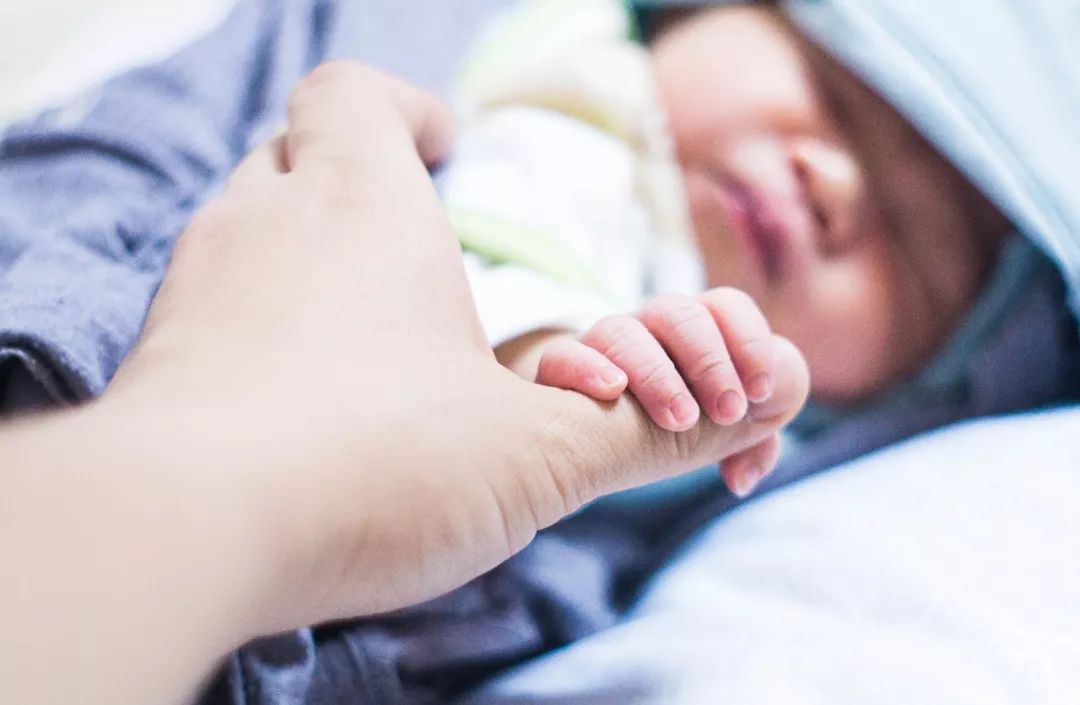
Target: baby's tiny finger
column 688, row 332
column 748, row 337
column 653, row 379
column 570, row 364
column 744, row 471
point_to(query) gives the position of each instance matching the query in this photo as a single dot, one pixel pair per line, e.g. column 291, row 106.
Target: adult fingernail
column 729, row 406
column 683, row 409
column 760, row 387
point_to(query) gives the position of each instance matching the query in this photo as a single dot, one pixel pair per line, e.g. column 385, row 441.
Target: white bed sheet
column 945, row 570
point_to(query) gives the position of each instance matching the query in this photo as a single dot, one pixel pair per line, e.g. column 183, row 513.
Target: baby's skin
column 811, row 193
column 681, row 358
column 811, row 198
column 817, row 211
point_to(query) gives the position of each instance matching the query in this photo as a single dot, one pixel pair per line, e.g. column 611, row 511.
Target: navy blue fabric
column 91, row 203
column 93, row 194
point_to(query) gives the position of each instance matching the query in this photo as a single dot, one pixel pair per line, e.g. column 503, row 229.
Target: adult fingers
column 354, row 141
column 344, row 113
column 260, row 166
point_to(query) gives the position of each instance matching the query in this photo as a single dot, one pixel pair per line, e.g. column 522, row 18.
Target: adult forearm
column 312, row 427
column 129, row 566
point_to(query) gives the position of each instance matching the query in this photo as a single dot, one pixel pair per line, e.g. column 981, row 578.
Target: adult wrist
column 122, row 525
column 191, row 484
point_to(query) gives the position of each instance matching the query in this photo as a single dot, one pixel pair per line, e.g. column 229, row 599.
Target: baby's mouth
column 758, row 226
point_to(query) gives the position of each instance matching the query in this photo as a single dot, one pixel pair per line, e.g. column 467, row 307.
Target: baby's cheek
column 847, row 328
column 712, row 233
column 703, row 209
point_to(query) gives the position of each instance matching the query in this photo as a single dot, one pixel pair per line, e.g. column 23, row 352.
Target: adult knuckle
column 332, row 82
column 686, row 445
column 568, row 484
column 333, row 187
column 336, row 72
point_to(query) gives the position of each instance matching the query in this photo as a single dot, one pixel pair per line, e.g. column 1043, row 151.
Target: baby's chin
column 849, row 364
column 854, row 378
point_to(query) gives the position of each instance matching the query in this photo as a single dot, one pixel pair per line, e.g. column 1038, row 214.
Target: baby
column 816, row 212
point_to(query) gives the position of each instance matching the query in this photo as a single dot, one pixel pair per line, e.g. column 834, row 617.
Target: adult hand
column 311, row 427
column 321, row 311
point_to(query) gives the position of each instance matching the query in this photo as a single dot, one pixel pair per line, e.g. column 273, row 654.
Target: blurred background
column 45, row 44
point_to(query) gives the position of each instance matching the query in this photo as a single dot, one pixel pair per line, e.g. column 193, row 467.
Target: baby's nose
column 832, row 186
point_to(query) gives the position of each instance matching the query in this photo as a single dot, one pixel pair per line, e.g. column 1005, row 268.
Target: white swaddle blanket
column 942, row 571
column 563, row 187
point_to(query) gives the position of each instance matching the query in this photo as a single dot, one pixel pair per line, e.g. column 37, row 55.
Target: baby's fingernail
column 748, row 481
column 760, row 387
column 612, row 376
column 683, row 409
column 729, row 406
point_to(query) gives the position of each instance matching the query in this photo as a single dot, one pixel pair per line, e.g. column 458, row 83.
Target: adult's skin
column 312, row 426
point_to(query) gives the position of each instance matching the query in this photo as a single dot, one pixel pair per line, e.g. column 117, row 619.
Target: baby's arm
column 679, row 357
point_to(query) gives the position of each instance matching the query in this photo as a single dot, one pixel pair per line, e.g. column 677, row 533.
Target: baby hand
column 679, row 357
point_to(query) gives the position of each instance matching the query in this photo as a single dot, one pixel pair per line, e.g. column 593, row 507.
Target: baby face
column 858, row 241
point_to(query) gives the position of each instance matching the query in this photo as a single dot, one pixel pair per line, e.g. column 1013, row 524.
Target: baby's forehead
column 776, row 58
